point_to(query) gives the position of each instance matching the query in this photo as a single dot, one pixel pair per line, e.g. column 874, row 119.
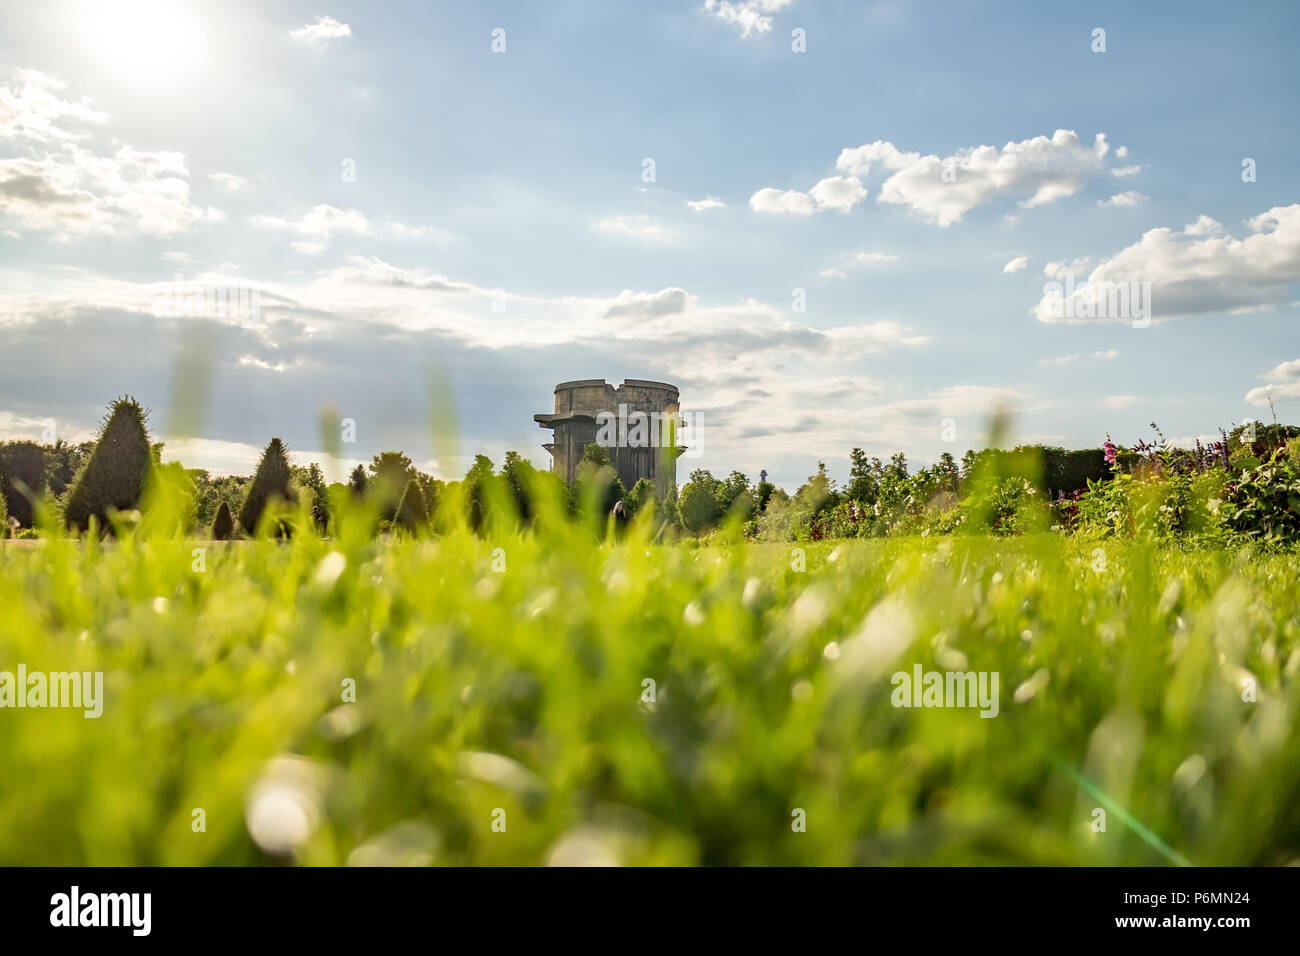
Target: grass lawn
column 470, row 700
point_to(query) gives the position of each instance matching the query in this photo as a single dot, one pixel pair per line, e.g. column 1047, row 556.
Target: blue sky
column 920, row 172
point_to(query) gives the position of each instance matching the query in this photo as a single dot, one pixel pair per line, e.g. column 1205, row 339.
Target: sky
column 830, row 224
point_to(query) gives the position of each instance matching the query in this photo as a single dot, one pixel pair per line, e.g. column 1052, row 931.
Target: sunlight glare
column 145, row 37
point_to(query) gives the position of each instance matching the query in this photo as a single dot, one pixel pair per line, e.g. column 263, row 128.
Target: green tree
column 698, row 504
column 114, row 476
column 390, row 471
column 641, row 495
column 357, row 481
column 270, row 486
column 519, row 476
column 312, row 480
column 733, row 493
column 410, row 512
column 22, row 473
column 864, row 480
column 223, row 526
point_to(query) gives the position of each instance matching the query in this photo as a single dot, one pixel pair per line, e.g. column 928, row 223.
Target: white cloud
column 875, row 258
column 1283, row 382
column 321, row 32
column 1204, row 226
column 941, row 190
column 832, row 274
column 749, row 16
column 1076, row 356
column 634, row 227
column 74, row 192
column 1122, row 401
column 228, row 181
column 840, row 193
column 1060, row 268
column 1129, row 197
column 1016, row 264
column 1122, row 171
column 1192, row 275
column 68, row 190
column 704, row 205
column 774, row 200
column 32, row 110
column 319, row 225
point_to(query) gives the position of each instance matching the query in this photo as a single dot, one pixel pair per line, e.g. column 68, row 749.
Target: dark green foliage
column 114, row 476
column 390, row 472
column 476, row 485
column 519, row 476
column 699, row 502
column 1066, row 471
column 641, row 495
column 223, row 526
column 269, row 485
column 62, row 462
column 22, row 474
column 357, row 481
column 410, row 510
column 312, row 480
column 1265, row 503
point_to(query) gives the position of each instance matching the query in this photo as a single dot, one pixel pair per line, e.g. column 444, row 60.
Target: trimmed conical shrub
column 115, row 474
column 411, row 513
column 271, row 483
column 223, row 526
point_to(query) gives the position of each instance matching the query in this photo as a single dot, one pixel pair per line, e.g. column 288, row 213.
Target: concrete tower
column 631, row 421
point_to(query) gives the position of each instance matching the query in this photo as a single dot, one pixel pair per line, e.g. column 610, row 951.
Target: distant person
column 619, row 519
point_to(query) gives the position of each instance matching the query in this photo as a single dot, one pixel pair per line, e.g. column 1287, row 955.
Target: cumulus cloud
column 1204, row 226
column 838, row 193
column 320, row 32
column 75, row 192
column 1060, row 268
column 941, row 190
column 1196, row 274
column 832, row 274
column 1283, row 382
column 58, row 186
column 1122, row 171
column 748, row 16
column 1130, row 197
column 774, row 200
column 1016, row 264
column 32, row 109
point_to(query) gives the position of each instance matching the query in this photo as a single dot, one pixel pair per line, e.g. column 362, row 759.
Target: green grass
column 521, row 690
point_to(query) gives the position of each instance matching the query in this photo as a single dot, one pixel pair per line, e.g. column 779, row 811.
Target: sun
column 153, row 38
